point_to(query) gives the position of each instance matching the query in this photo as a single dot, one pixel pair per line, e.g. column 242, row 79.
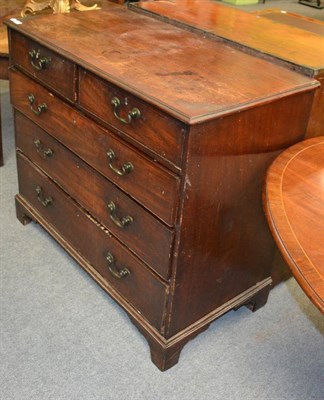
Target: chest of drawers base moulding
column 213, row 225
column 165, row 353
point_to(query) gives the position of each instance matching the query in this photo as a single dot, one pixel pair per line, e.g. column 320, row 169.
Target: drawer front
column 138, row 229
column 101, row 250
column 153, row 186
column 43, row 64
column 158, row 132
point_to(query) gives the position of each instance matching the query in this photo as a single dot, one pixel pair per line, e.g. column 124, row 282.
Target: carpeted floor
column 62, row 337
column 291, row 6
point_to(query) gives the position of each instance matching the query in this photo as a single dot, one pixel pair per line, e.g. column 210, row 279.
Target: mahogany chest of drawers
column 142, row 150
column 288, row 39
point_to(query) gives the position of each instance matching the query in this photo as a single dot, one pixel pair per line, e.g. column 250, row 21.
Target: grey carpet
column 291, row 6
column 62, row 337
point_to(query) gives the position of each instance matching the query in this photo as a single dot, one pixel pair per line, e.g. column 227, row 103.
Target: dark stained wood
column 280, row 270
column 223, row 199
column 294, row 200
column 147, row 237
column 227, row 126
column 4, row 65
column 165, row 353
column 71, row 222
column 166, row 70
column 12, row 8
column 58, row 73
column 156, row 188
column 301, row 49
column 167, row 144
column 8, row 8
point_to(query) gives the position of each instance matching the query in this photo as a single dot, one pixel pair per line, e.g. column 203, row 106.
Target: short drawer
column 48, row 67
column 116, row 265
column 153, row 186
column 138, row 229
column 158, row 132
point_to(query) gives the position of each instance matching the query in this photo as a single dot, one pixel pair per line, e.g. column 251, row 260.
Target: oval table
column 294, row 206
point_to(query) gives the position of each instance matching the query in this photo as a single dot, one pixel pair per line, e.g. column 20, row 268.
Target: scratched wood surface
column 222, row 250
column 297, row 46
column 217, row 80
column 294, row 202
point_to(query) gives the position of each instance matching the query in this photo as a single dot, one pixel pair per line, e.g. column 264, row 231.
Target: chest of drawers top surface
column 185, row 74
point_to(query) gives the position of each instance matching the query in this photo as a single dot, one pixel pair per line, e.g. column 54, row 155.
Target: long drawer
column 153, row 186
column 138, row 229
column 119, row 268
column 43, row 64
column 145, row 124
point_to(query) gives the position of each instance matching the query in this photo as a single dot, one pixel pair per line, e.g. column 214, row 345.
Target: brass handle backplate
column 37, row 61
column 117, row 273
column 133, row 114
column 40, row 149
column 125, row 169
column 121, row 223
column 46, row 201
column 39, row 109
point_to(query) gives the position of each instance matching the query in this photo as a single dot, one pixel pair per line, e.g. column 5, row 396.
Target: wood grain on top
column 188, row 75
column 294, row 203
column 296, row 20
column 294, row 45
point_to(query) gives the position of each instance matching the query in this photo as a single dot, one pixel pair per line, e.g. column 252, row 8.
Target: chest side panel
column 225, row 246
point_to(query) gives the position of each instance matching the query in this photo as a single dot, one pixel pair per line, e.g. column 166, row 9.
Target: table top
column 295, row 20
column 188, row 75
column 299, row 47
column 294, row 205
